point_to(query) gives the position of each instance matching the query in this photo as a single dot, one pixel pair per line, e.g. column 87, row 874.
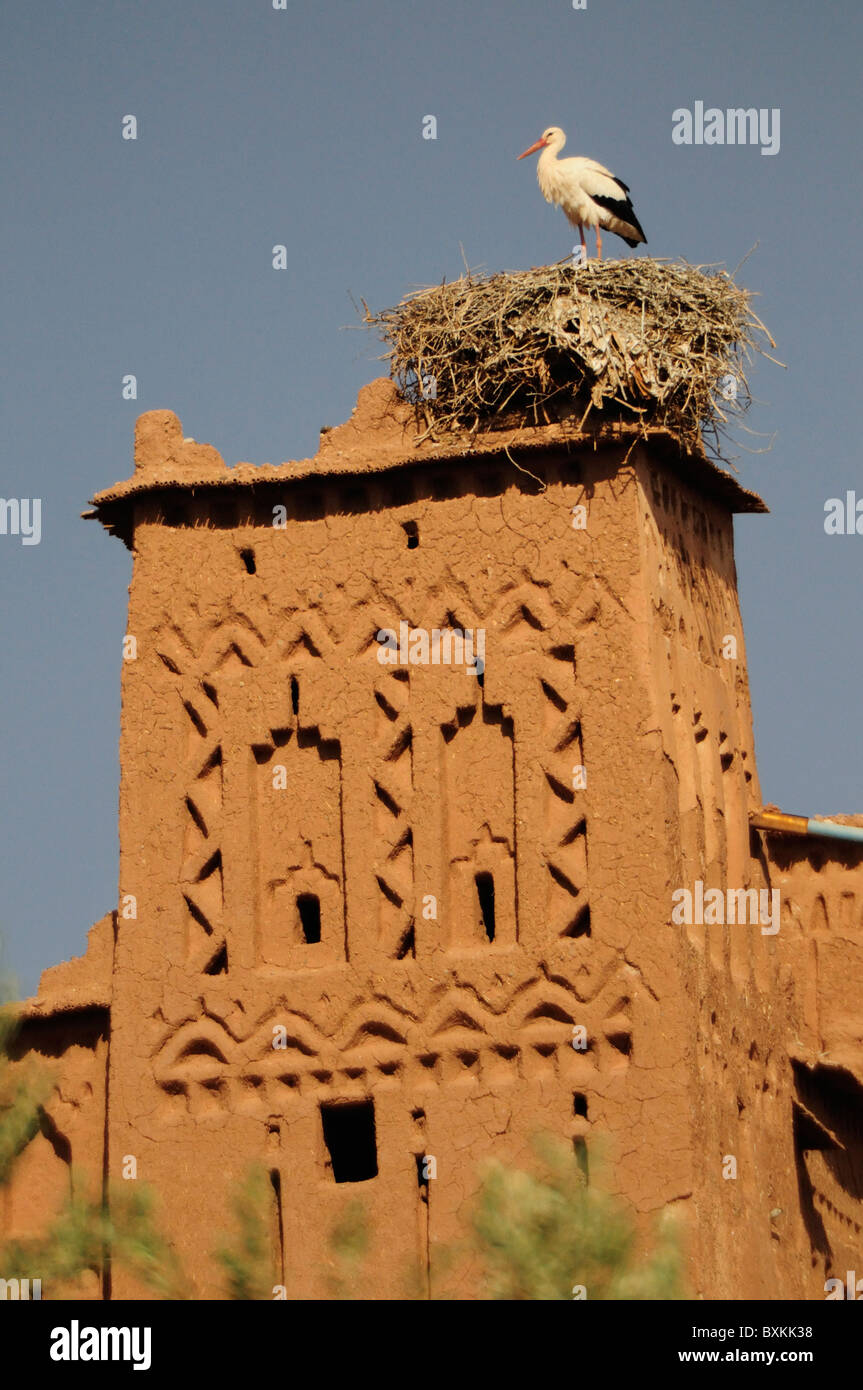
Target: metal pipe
column 801, row 825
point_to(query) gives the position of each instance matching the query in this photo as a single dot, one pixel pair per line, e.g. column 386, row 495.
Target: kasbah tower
column 368, row 904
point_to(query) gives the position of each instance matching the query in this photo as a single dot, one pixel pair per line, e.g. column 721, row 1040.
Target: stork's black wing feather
column 622, row 208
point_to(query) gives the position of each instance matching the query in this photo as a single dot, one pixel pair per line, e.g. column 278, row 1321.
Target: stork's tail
column 621, row 219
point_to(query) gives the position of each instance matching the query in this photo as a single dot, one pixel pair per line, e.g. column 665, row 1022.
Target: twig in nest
column 541, row 482
column 550, row 344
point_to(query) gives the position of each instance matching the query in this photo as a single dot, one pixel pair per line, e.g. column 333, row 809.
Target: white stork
column 589, row 193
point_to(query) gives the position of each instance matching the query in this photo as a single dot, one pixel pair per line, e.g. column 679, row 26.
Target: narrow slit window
column 309, row 908
column 485, row 894
column 349, row 1134
column 580, row 1150
column 278, row 1232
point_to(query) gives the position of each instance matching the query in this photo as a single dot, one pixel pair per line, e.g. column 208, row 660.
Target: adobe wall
column 279, row 781
column 402, row 785
column 63, row 1043
column 778, row 1040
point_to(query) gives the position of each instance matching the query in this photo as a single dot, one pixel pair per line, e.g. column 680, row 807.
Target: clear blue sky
column 304, row 126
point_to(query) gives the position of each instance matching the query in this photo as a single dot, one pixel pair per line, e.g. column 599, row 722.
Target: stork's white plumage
column 589, row 194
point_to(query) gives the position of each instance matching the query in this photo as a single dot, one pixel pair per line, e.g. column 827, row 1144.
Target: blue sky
column 303, row 126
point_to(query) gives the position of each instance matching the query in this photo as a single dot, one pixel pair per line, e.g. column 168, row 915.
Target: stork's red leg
column 583, row 241
column 598, row 244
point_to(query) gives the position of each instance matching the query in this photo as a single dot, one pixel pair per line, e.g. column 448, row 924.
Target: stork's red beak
column 533, row 149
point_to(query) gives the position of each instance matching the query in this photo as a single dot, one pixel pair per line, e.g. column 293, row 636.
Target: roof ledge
column 381, row 434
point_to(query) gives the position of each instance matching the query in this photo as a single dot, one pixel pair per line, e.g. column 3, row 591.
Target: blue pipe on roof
column 832, row 830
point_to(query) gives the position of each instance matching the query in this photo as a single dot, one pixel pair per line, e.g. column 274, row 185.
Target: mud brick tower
column 365, row 908
column 392, row 861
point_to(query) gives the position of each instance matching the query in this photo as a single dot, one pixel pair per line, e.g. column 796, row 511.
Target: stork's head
column 553, row 137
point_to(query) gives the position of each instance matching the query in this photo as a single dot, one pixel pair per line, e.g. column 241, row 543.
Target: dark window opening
column 295, row 695
column 279, row 1232
column 411, row 530
column 248, row 559
column 309, row 908
column 485, row 894
column 579, row 1104
column 349, row 1134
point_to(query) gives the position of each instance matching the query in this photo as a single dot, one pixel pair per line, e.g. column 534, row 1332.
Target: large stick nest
column 641, row 340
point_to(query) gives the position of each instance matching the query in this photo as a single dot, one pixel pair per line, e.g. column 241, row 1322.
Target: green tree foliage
column 247, row 1258
column 116, row 1227
column 536, row 1235
column 541, row 1235
column 22, row 1093
column 91, row 1232
column 349, row 1248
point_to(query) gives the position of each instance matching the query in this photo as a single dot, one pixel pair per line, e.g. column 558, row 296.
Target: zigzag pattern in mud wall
column 320, row 651
column 201, row 875
column 565, row 843
column 203, row 1065
column 392, row 776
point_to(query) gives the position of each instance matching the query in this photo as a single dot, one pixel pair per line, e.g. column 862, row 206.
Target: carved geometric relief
column 296, row 830
column 201, row 872
column 298, row 790
column 392, row 777
column 483, row 892
column 565, row 823
column 225, row 652
column 478, row 792
column 458, row 1038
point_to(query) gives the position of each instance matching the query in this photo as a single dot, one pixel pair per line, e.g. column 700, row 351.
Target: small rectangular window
column 309, row 908
column 485, row 894
column 349, row 1134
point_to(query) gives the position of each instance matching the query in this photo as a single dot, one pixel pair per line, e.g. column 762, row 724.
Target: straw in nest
column 648, row 341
